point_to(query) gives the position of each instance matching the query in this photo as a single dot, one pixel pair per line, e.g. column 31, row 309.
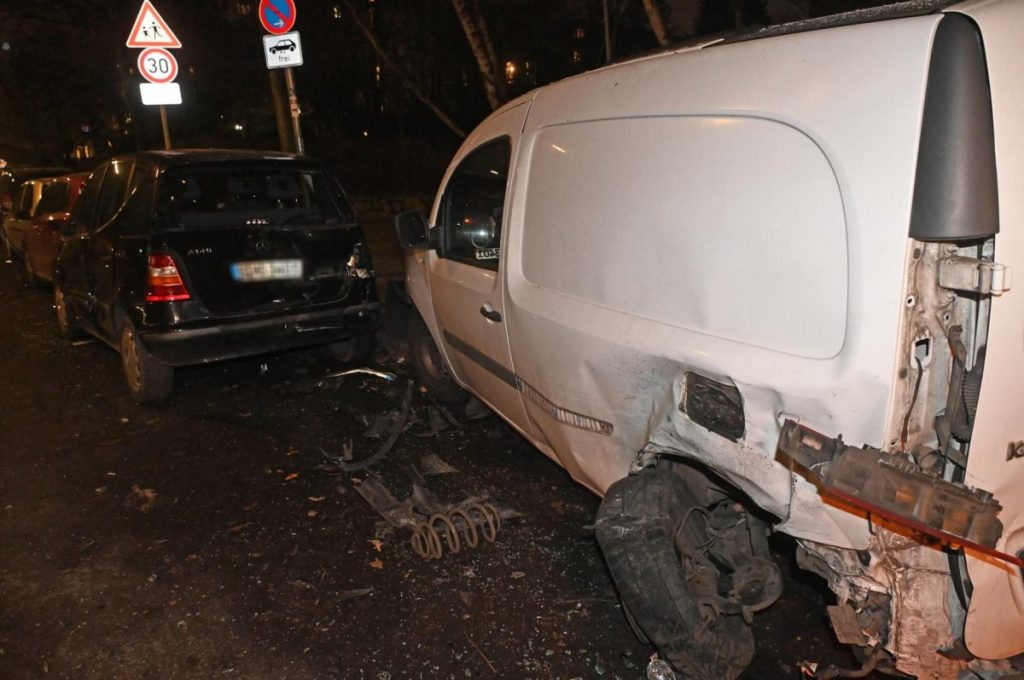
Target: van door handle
column 490, row 313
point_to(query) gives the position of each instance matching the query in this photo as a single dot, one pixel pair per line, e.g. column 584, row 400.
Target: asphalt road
column 202, row 538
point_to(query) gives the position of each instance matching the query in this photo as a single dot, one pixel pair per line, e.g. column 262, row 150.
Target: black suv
column 188, row 257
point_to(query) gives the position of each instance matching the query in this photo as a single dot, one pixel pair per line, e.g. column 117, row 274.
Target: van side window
column 113, row 192
column 473, row 206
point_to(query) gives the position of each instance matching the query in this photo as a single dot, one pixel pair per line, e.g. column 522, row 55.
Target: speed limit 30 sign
column 157, row 65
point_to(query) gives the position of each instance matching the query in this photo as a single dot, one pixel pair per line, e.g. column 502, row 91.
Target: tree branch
column 403, row 77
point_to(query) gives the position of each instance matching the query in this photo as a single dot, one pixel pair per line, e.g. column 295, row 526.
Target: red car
column 42, row 239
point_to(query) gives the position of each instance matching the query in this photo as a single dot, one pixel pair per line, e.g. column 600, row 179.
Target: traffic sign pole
column 278, row 19
column 167, row 130
column 293, row 104
column 154, row 37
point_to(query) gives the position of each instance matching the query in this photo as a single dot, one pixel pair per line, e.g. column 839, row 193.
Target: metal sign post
column 283, row 49
column 293, row 104
column 167, row 130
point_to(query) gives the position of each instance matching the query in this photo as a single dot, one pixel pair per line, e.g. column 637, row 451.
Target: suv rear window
column 251, row 194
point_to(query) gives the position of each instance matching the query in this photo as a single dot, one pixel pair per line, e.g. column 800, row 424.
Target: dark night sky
column 67, row 78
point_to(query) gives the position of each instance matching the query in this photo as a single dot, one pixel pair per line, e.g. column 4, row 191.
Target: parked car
column 52, row 215
column 188, row 257
column 12, row 177
column 19, row 218
column 691, row 278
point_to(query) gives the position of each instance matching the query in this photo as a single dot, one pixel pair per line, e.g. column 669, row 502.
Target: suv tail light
column 164, row 281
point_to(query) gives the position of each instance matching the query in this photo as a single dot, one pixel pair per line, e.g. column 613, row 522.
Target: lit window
column 510, row 72
column 579, row 33
column 577, row 57
column 336, row 12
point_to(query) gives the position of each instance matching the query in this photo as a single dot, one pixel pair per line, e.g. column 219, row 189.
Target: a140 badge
column 157, row 65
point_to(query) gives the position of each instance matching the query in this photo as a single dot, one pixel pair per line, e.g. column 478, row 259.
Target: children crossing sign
column 150, row 30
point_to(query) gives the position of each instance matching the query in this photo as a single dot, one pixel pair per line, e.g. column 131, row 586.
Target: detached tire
column 430, row 368
column 148, row 380
column 636, row 531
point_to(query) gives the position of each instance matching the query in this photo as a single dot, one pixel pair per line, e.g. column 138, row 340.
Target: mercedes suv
column 187, row 257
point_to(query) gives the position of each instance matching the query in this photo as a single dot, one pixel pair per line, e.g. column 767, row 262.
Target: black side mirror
column 411, row 228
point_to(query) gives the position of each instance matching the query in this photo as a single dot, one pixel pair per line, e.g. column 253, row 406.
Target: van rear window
column 251, row 194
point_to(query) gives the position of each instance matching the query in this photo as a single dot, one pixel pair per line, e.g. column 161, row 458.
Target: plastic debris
column 392, row 438
column 383, row 375
column 351, row 594
column 140, row 499
column 432, row 464
column 658, row 669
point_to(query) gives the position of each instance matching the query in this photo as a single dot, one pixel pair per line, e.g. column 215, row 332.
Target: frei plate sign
column 283, row 50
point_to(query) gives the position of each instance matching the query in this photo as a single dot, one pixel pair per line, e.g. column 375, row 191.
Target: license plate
column 267, row 270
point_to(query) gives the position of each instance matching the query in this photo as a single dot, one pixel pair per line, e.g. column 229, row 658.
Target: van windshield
column 225, row 195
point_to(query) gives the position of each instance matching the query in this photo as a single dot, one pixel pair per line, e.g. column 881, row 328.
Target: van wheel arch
column 640, row 527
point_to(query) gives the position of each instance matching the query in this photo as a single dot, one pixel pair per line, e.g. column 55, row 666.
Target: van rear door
column 995, row 618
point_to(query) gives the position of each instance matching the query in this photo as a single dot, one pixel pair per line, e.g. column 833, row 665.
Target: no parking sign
column 277, row 16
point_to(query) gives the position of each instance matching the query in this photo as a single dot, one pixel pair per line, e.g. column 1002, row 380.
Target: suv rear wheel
column 67, row 326
column 148, row 380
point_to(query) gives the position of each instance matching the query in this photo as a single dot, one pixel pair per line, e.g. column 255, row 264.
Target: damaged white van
column 764, row 284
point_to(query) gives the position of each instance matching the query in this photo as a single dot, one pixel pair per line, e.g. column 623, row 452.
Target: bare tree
column 657, row 22
column 403, row 77
column 737, row 13
column 479, row 37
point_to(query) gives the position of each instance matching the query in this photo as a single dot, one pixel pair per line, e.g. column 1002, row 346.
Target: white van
column 691, row 279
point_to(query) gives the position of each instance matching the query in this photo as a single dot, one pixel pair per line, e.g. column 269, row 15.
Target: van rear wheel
column 672, row 592
column 429, row 363
column 148, row 380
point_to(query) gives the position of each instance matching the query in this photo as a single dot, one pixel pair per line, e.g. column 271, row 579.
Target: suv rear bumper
column 186, row 346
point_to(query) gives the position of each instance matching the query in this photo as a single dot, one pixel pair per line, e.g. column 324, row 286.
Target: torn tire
column 636, row 528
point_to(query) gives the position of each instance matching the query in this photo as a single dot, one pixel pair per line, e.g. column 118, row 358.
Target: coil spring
column 462, row 525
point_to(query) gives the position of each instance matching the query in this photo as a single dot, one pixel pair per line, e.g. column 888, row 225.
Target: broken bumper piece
column 894, row 487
